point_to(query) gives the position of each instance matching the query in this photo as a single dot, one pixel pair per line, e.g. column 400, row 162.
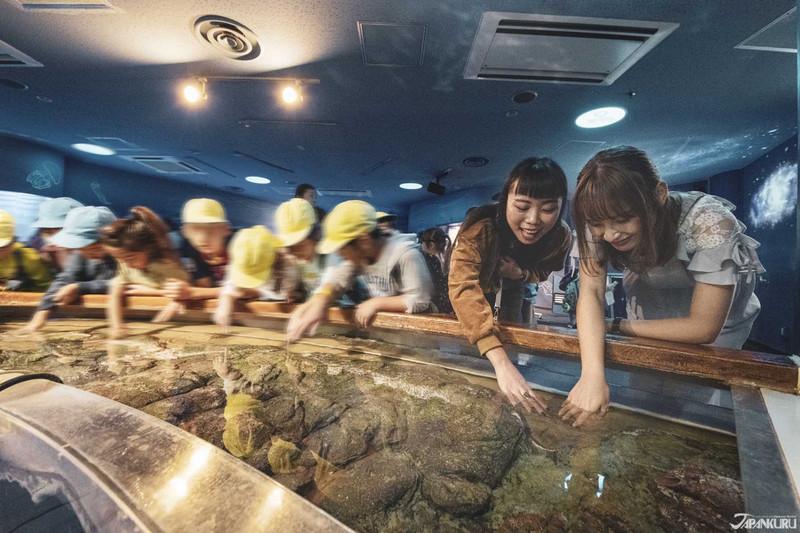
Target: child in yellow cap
column 390, row 265
column 252, row 254
column 386, row 221
column 146, row 261
column 203, row 250
column 21, row 268
column 297, row 266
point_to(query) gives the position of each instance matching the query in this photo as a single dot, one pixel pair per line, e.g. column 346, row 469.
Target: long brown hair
column 541, row 178
column 621, row 183
column 142, row 231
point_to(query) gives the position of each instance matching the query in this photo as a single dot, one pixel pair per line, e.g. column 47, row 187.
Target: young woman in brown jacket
column 522, row 237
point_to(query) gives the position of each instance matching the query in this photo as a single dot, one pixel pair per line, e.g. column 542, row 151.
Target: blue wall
column 447, row 209
column 32, row 168
column 96, row 185
column 777, row 289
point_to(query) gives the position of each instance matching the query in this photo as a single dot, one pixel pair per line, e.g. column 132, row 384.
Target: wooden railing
column 740, row 367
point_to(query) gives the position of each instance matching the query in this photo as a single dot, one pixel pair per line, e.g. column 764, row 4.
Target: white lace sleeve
column 709, row 225
column 711, row 235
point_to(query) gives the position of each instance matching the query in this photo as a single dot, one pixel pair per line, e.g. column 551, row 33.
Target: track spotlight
column 194, row 92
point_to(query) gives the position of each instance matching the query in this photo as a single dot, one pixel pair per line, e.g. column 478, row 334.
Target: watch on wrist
column 615, row 325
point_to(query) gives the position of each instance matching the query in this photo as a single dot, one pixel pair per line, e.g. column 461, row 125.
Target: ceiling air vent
column 165, row 164
column 233, row 39
column 553, row 49
column 780, row 35
column 347, row 193
column 82, row 6
column 387, row 44
column 11, row 57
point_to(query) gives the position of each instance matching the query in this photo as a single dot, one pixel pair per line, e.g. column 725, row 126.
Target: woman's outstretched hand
column 511, row 382
column 589, row 395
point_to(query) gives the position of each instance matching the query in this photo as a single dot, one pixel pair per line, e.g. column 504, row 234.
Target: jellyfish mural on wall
column 777, row 197
column 44, row 176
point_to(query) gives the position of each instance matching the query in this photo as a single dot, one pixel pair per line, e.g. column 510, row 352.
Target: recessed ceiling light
column 411, row 186
column 258, row 179
column 94, row 149
column 600, row 117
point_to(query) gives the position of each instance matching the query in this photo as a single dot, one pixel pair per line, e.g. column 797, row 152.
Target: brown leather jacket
column 474, row 270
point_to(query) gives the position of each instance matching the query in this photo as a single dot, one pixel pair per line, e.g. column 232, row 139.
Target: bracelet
column 615, row 325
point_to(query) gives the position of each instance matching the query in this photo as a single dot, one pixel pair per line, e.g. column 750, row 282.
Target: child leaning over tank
column 146, row 261
column 21, row 268
column 391, row 266
column 89, row 268
column 252, row 252
column 297, row 265
column 52, row 214
column 203, row 250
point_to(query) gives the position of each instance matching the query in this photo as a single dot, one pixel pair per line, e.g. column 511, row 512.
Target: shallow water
column 386, row 445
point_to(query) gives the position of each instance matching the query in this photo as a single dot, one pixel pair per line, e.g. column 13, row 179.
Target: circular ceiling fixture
column 258, row 180
column 94, row 149
column 411, row 186
column 475, row 162
column 13, row 84
column 233, row 39
column 524, row 97
column 600, row 117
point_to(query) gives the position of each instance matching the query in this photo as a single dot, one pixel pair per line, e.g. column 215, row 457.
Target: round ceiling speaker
column 525, row 97
column 232, row 39
column 475, row 161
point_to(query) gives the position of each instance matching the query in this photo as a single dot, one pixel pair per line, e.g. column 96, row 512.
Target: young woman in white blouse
column 689, row 269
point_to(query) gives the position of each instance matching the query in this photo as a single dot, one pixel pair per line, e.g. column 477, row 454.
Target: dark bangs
column 537, row 177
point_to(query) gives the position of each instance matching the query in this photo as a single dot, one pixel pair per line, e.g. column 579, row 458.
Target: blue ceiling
column 701, row 106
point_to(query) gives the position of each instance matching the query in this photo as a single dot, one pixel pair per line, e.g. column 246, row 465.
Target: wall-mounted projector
column 435, row 187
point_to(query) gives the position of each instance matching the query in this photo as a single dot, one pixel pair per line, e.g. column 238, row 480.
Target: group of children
column 378, row 269
column 689, row 269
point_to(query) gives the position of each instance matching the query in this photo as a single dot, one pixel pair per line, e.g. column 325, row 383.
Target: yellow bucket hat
column 203, row 211
column 383, row 216
column 252, row 252
column 294, row 221
column 6, row 228
column 348, row 220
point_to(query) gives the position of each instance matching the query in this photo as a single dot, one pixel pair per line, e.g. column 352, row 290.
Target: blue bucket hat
column 53, row 212
column 82, row 227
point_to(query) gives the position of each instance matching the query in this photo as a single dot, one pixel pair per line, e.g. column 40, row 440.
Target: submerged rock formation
column 391, row 446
